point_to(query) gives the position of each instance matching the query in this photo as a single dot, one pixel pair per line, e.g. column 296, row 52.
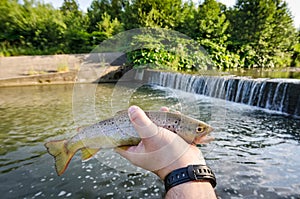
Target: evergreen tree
column 77, row 39
column 70, row 6
column 152, row 13
column 211, row 22
column 187, row 21
column 208, row 25
column 113, row 8
column 108, row 26
column 262, row 32
column 296, row 53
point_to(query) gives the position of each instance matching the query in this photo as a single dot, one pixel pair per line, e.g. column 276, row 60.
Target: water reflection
column 29, row 115
column 255, row 154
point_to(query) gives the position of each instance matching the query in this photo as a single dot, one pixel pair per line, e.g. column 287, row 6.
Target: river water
column 255, row 153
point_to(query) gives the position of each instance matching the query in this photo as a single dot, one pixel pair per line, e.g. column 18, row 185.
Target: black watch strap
column 190, row 173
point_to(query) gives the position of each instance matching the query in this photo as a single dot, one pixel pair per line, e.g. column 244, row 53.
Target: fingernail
column 132, row 109
column 137, row 116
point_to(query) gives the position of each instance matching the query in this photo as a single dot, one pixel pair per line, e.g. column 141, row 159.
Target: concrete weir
column 61, row 69
column 282, row 95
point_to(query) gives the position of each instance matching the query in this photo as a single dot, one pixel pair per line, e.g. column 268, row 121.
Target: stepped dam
column 282, row 95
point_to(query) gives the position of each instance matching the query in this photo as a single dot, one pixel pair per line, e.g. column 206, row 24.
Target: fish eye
column 199, row 129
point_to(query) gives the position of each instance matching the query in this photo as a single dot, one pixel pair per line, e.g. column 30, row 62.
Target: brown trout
column 119, row 131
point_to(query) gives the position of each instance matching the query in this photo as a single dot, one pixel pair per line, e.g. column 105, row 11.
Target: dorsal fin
column 121, row 112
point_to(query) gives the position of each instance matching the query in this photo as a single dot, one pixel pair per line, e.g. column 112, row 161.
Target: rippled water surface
column 255, row 153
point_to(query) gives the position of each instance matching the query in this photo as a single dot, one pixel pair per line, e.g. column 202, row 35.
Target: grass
column 62, row 68
column 35, row 72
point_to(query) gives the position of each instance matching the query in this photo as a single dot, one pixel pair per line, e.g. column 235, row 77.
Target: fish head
column 201, row 132
column 193, row 130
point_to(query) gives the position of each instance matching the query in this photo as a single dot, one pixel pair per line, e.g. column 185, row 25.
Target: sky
column 294, row 6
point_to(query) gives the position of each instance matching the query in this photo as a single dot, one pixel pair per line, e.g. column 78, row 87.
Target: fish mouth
column 208, row 130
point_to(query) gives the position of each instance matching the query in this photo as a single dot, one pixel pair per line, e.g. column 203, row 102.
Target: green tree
column 208, row 25
column 104, row 18
column 113, row 8
column 108, row 26
column 296, row 53
column 70, row 6
column 152, row 13
column 262, row 32
column 187, row 21
column 76, row 37
column 283, row 35
column 212, row 22
column 30, row 28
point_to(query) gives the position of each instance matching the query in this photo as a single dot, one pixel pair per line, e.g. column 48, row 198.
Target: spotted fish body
column 119, row 131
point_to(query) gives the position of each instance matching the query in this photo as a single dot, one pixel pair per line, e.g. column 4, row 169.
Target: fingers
column 156, row 158
column 175, row 153
column 142, row 124
column 126, row 152
column 159, row 147
column 164, row 109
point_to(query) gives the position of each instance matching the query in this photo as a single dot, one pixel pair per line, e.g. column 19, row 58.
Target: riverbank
column 58, row 69
column 32, row 70
column 63, row 69
column 23, row 66
column 51, row 78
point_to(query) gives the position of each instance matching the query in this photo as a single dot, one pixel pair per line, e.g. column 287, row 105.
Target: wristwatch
column 190, row 173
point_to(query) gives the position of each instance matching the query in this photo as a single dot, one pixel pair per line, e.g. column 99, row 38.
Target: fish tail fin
column 61, row 154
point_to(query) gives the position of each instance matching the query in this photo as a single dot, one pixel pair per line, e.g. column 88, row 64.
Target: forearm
column 192, row 190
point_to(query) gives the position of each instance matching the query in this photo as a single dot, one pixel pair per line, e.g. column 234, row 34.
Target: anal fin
column 88, row 153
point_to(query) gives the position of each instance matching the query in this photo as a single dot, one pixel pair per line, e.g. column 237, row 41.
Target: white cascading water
column 281, row 95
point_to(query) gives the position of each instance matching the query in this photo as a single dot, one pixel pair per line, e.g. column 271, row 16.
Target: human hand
column 160, row 150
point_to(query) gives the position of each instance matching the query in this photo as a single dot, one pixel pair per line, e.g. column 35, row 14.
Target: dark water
column 255, row 153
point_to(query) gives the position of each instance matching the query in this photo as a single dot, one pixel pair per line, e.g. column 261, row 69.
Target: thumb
column 142, row 124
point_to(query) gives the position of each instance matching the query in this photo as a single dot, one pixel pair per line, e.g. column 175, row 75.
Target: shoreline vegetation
column 252, row 34
column 64, row 69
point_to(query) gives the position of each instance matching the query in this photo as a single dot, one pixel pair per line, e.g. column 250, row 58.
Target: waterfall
column 281, row 95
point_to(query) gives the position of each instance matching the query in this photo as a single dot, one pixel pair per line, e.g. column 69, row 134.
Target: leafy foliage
column 108, row 26
column 296, row 54
column 211, row 34
column 254, row 33
column 262, row 32
column 76, row 38
column 32, row 28
column 112, row 8
column 152, row 13
column 167, row 50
